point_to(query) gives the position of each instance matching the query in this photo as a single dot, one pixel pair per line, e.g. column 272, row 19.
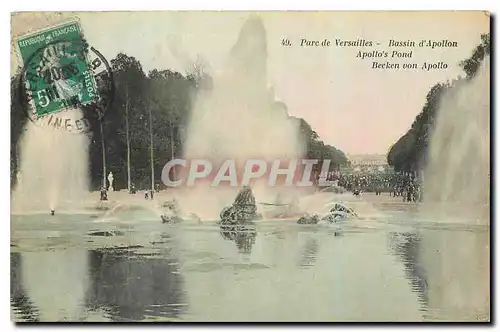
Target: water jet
column 54, row 167
column 241, row 98
column 458, row 169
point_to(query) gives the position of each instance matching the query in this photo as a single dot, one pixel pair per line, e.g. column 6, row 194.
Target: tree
column 18, row 119
column 167, row 95
column 409, row 153
column 316, row 149
column 471, row 65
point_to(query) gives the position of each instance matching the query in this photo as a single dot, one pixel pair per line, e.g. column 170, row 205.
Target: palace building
column 368, row 162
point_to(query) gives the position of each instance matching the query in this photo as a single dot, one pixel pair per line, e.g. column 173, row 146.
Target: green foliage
column 471, row 65
column 165, row 95
column 409, row 153
column 18, row 120
column 316, row 149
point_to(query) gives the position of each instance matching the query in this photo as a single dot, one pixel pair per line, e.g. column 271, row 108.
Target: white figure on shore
column 110, row 179
column 18, row 177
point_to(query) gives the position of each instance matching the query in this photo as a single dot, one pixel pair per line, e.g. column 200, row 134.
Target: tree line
column 165, row 95
column 409, row 153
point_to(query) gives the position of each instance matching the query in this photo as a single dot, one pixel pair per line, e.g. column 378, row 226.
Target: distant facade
column 369, row 162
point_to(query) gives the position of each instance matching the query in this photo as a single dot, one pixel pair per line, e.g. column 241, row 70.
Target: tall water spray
column 239, row 117
column 53, row 166
column 458, row 167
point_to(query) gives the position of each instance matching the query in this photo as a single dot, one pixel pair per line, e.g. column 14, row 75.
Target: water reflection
column 407, row 247
column 22, row 305
column 105, row 284
column 457, row 264
column 243, row 235
column 38, row 276
column 134, row 287
column 426, row 274
column 309, row 253
column 448, row 270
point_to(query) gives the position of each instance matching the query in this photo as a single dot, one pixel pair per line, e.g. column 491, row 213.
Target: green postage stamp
column 57, row 72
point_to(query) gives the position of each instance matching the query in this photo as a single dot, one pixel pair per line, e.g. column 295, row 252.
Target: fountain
column 458, row 170
column 239, row 117
column 339, row 212
column 457, row 189
column 54, row 168
column 242, row 210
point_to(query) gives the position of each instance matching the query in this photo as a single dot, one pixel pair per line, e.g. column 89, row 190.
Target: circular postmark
column 66, row 84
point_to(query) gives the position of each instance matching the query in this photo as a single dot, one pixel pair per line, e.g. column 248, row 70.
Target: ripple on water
column 156, row 273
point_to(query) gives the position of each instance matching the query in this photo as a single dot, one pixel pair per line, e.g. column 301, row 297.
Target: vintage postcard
column 250, row 166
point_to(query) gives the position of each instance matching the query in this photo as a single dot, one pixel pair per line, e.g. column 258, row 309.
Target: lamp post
column 151, row 148
column 103, row 154
column 128, row 138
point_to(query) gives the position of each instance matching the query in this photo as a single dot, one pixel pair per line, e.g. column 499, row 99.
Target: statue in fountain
column 110, row 179
column 339, row 212
column 243, row 208
column 172, row 205
column 170, row 218
column 309, row 219
column 173, row 213
column 18, row 178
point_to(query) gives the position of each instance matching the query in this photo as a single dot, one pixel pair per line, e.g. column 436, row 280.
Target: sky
column 358, row 109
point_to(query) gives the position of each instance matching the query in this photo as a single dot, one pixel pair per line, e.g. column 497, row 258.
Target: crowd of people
column 148, row 194
column 404, row 185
